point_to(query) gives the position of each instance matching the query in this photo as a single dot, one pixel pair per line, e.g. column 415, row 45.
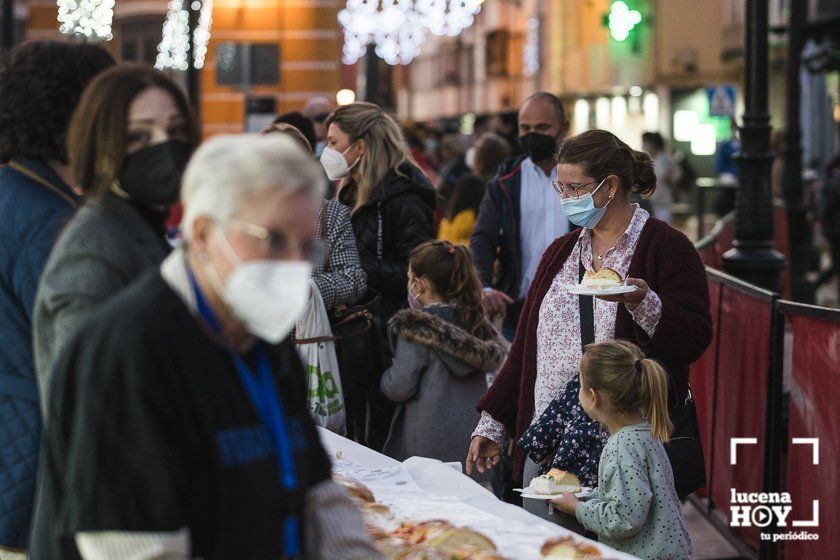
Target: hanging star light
column 173, row 50
column 391, row 25
column 89, row 18
column 447, row 17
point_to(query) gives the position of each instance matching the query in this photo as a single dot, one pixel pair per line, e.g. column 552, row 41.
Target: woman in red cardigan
column 667, row 315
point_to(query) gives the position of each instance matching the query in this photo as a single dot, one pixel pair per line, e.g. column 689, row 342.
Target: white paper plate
column 526, row 493
column 581, row 290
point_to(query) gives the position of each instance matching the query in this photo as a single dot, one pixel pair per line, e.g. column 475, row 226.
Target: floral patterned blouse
column 558, row 333
column 566, row 438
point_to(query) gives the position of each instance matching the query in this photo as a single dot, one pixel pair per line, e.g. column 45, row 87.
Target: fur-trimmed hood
column 462, row 351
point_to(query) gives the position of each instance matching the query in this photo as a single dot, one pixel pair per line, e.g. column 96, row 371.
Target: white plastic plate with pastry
column 581, row 290
column 527, row 493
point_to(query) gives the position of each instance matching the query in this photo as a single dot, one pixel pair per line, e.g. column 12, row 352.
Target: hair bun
column 644, row 176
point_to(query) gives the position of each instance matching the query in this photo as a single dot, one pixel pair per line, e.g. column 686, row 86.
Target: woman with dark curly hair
column 129, row 142
column 40, row 85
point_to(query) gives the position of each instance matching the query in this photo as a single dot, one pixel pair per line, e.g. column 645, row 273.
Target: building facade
column 629, row 76
column 296, row 47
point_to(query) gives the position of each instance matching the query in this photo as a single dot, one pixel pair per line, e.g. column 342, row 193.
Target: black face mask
column 538, row 147
column 152, row 175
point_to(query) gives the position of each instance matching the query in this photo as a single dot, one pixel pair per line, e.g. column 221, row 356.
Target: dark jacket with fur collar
column 438, row 374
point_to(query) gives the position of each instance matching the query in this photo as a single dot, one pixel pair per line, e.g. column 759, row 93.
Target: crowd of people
column 154, row 399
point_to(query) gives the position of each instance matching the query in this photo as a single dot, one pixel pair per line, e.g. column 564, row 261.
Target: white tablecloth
column 422, row 488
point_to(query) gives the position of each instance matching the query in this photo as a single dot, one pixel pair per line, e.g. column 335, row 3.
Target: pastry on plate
column 378, row 519
column 391, row 547
column 355, row 488
column 604, row 279
column 569, row 548
column 419, row 532
column 555, row 481
column 420, row 552
column 461, row 539
column 481, row 555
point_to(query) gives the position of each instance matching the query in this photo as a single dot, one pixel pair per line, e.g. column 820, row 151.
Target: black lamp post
column 753, row 258
column 800, row 233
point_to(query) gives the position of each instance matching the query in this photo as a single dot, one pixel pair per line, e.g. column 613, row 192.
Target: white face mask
column 267, row 295
column 335, row 165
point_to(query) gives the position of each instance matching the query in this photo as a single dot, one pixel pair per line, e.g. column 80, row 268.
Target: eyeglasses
column 571, row 190
column 277, row 244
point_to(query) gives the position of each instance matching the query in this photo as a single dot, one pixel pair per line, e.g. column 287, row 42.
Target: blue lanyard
column 262, row 391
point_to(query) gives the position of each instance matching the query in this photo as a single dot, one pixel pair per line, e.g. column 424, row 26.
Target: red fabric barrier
column 708, row 255
column 724, row 242
column 814, row 413
column 702, row 377
column 745, row 325
column 713, row 256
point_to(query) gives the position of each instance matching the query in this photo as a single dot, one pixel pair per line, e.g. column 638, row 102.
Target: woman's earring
column 203, row 257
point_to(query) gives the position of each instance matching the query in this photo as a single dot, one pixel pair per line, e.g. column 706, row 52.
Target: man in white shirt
column 520, row 215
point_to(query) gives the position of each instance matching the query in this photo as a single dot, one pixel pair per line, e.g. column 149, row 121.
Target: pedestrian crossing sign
column 721, row 101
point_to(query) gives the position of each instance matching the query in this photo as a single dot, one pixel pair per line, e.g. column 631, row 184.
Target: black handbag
column 361, row 359
column 683, row 448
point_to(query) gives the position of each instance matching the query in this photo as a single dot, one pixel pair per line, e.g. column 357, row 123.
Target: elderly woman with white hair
column 179, row 425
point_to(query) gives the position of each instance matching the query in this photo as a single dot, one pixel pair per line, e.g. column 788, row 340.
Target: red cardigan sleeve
column 502, row 398
column 675, row 272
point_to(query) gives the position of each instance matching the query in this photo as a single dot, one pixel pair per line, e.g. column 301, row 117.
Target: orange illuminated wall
column 306, row 31
column 310, row 48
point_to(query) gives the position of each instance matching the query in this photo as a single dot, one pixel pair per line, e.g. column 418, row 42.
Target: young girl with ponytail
column 635, row 508
column 444, row 348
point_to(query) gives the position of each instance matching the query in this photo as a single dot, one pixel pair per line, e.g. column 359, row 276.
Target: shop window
column 139, row 38
column 454, row 70
column 498, row 46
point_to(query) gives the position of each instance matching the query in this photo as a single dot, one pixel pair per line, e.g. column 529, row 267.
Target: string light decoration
column 391, row 25
column 173, row 50
column 531, row 51
column 398, row 28
column 89, row 18
column 447, row 17
column 201, row 35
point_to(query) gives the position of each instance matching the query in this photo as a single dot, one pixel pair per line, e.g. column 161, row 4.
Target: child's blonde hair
column 630, row 382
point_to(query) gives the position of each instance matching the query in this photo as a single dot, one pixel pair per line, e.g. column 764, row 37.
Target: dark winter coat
column 438, row 374
column 669, row 263
column 35, row 205
column 106, row 247
column 496, row 235
column 396, row 219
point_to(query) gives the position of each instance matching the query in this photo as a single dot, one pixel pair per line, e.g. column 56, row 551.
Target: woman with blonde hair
column 391, row 201
column 391, row 206
column 340, row 277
